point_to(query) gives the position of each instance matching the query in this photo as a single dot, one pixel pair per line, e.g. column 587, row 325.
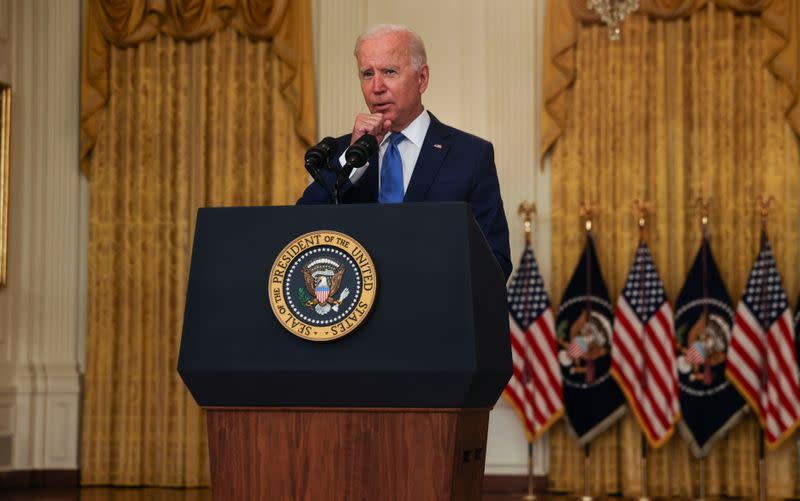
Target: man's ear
column 423, row 74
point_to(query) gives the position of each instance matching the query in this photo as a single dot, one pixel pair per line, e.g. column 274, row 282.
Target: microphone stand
column 313, row 169
column 342, row 176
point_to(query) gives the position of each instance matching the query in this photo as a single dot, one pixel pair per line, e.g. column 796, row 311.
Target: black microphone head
column 321, row 152
column 358, row 154
column 329, row 146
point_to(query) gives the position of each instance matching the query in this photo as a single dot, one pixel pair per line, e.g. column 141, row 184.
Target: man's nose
column 378, row 84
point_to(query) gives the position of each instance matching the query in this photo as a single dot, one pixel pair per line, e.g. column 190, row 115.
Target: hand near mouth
column 370, row 123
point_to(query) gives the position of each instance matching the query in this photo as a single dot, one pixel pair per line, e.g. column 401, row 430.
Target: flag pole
column 762, row 472
column 642, row 209
column 588, row 210
column 704, row 212
column 586, row 495
column 702, row 491
column 530, row 496
column 644, row 496
column 764, row 207
column 798, row 453
column 525, row 210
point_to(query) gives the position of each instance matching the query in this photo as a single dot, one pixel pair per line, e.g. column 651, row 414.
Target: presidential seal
column 322, row 285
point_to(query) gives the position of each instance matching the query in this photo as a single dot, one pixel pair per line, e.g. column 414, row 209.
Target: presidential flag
column 592, row 399
column 643, row 353
column 534, row 389
column 710, row 405
column 762, row 362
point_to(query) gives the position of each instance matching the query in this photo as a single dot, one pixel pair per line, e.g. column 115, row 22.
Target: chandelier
column 613, row 12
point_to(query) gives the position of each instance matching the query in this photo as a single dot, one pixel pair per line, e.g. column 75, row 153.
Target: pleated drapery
column 190, row 104
column 781, row 18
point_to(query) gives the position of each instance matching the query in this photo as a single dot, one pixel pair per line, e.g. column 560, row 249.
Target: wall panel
column 40, row 306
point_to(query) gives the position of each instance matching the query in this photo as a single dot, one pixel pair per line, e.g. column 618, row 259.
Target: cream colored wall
column 41, row 306
column 483, row 57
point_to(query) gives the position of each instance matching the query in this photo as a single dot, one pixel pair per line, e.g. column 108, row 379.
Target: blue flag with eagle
column 710, row 404
column 592, row 399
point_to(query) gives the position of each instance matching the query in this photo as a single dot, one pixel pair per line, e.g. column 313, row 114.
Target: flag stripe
column 533, row 405
column 784, row 350
column 547, row 344
column 667, row 352
column 513, row 393
column 542, row 390
column 751, row 340
column 657, row 363
column 544, row 367
column 632, row 376
column 785, row 390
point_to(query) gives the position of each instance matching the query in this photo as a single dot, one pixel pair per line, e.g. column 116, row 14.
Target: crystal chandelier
column 613, row 12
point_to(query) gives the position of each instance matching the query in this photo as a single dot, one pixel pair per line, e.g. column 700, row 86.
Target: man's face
column 390, row 84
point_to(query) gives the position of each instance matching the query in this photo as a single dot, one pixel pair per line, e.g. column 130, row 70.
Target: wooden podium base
column 352, row 454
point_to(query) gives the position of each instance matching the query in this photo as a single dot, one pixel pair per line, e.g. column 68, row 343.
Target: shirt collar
column 416, row 130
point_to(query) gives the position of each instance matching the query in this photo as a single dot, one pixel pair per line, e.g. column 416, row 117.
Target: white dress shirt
column 409, row 150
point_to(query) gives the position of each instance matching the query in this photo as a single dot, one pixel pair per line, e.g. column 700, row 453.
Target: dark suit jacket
column 452, row 166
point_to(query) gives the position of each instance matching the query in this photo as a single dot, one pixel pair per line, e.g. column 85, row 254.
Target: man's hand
column 370, row 123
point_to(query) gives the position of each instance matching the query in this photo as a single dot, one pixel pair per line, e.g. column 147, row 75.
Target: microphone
column 355, row 156
column 317, row 156
column 358, row 154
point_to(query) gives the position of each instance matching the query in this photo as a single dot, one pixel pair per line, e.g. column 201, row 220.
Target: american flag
column 535, row 385
column 578, row 347
column 642, row 352
column 696, row 354
column 762, row 363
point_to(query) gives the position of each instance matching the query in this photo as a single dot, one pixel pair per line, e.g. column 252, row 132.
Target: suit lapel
column 432, row 154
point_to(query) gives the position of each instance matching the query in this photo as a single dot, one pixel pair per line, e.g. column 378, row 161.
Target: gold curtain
column 681, row 107
column 780, row 17
column 190, row 104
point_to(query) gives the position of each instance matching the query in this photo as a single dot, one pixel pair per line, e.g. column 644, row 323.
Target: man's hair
column 416, row 47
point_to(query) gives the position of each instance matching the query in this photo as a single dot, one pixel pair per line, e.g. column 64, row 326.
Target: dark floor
column 106, row 494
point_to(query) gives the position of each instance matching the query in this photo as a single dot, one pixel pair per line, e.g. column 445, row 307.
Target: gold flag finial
column 525, row 210
column 588, row 212
column 704, row 204
column 764, row 206
column 642, row 212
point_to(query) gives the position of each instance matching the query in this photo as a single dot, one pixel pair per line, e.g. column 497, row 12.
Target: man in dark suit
column 420, row 159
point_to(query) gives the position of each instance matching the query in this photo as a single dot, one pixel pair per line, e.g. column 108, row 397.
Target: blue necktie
column 392, row 172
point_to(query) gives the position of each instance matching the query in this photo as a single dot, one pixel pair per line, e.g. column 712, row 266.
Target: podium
column 398, row 409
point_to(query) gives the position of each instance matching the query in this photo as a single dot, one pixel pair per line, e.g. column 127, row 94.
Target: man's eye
column 366, row 74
